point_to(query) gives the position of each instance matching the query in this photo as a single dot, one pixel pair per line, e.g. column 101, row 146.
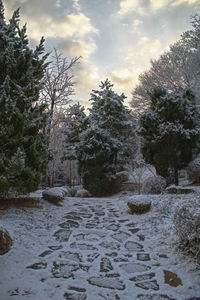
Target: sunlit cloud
column 189, row 2
column 128, row 6
column 143, row 7
column 125, row 78
column 146, row 50
column 78, row 47
column 87, row 78
column 77, row 25
column 48, row 22
column 136, row 23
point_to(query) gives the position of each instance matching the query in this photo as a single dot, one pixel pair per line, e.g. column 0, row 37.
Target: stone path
column 96, row 253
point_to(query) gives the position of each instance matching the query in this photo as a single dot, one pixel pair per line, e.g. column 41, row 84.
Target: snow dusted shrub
column 153, row 185
column 193, row 170
column 186, row 221
column 138, row 205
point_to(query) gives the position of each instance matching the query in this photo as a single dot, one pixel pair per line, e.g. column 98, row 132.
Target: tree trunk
column 176, row 175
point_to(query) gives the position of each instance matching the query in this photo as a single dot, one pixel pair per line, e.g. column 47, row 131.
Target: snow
column 88, row 225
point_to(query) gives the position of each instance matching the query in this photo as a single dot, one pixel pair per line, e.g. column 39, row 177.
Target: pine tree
column 23, row 119
column 96, row 154
column 105, row 141
column 170, row 131
column 109, row 113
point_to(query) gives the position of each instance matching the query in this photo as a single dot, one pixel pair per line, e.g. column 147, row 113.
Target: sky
column 116, row 39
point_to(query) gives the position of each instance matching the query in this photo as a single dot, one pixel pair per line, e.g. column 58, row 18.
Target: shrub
column 153, row 185
column 186, row 221
column 138, row 205
column 193, row 170
column 96, row 156
column 178, row 190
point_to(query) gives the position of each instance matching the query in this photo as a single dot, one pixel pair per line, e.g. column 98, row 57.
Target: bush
column 193, row 170
column 138, row 205
column 172, row 189
column 153, row 185
column 96, row 155
column 98, row 181
column 186, row 221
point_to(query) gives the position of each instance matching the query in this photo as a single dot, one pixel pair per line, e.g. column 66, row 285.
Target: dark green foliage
column 109, row 113
column 105, row 141
column 23, row 141
column 170, row 131
column 96, row 155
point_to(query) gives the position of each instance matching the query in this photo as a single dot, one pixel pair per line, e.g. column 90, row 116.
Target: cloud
column 128, row 6
column 123, row 77
column 146, row 50
column 158, row 4
column 58, row 3
column 189, row 2
column 142, row 7
column 44, row 18
column 137, row 22
column 70, row 25
column 76, row 5
column 87, row 78
column 78, row 47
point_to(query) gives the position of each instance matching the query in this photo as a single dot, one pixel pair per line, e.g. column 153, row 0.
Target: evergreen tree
column 109, row 113
column 96, row 154
column 105, row 142
column 23, row 119
column 170, row 131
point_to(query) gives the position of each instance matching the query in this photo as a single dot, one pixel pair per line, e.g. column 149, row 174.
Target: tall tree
column 58, row 84
column 178, row 67
column 108, row 112
column 104, row 142
column 170, row 131
column 23, row 119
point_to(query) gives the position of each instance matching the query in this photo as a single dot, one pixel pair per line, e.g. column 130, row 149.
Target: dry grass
column 19, row 202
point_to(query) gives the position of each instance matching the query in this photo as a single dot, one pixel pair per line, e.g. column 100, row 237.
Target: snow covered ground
column 93, row 249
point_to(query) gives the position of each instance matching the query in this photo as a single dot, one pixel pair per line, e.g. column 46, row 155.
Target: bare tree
column 175, row 69
column 57, row 91
column 58, row 84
